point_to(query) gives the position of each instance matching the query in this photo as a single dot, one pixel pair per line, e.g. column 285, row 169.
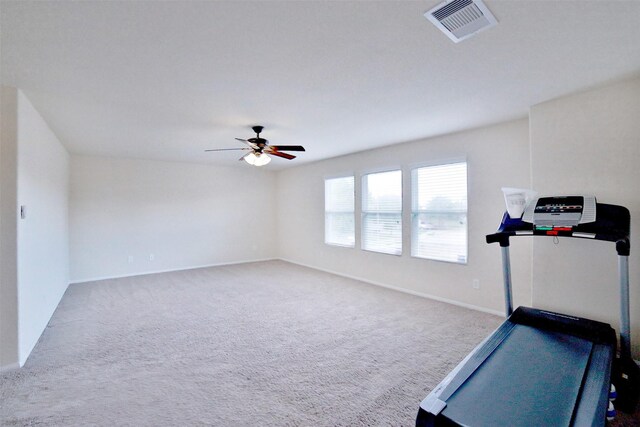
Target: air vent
column 461, row 19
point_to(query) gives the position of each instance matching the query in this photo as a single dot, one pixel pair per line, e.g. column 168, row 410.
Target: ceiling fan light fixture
column 250, row 158
column 261, row 159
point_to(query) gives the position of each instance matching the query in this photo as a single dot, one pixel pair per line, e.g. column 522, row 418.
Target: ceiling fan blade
column 242, row 158
column 249, row 143
column 287, row 147
column 277, row 153
column 227, row 149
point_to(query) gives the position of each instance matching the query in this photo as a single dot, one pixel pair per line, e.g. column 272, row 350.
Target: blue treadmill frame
column 539, row 367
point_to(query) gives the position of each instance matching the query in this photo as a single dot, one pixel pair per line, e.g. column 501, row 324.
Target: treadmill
column 539, row 367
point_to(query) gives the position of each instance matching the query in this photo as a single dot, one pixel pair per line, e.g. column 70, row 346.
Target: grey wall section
column 8, row 228
column 588, row 143
column 497, row 156
column 43, row 234
column 35, row 250
column 140, row 216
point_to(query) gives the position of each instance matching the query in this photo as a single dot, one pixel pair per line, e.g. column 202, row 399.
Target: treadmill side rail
column 594, row 397
column 432, row 404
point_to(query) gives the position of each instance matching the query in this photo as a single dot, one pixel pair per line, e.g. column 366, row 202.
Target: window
column 382, row 212
column 339, row 212
column 439, row 212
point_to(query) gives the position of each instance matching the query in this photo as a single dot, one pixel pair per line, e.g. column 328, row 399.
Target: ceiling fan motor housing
column 260, row 142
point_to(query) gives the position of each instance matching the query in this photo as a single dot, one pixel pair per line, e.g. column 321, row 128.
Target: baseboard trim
column 10, row 367
column 399, row 289
column 194, row 267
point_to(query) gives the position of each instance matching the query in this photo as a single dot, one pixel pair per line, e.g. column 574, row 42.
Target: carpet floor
column 269, row 343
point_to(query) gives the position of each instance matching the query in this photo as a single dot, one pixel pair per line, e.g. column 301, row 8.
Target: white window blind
column 339, row 211
column 382, row 212
column 439, row 212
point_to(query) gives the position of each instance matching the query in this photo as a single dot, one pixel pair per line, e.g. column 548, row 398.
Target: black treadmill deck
column 538, row 368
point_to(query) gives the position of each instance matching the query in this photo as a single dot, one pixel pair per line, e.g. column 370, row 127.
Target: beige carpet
column 269, row 343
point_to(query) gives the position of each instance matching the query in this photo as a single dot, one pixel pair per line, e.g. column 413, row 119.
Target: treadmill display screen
column 558, row 211
column 559, row 204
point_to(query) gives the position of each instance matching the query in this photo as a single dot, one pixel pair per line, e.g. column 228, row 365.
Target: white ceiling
column 167, row 80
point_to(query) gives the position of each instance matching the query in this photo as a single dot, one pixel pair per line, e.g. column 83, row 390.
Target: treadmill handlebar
column 612, row 224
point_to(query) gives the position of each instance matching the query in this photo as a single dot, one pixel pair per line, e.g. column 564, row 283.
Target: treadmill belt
column 532, row 378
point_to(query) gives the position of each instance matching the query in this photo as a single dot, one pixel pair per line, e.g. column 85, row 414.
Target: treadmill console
column 560, row 212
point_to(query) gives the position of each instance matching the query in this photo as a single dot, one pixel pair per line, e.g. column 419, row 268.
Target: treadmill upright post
column 625, row 328
column 506, row 272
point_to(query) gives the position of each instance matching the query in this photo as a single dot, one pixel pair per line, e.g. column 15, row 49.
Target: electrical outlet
column 130, row 259
column 151, row 257
column 475, row 283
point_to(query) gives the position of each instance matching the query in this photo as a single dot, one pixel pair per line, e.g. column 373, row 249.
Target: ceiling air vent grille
column 460, row 19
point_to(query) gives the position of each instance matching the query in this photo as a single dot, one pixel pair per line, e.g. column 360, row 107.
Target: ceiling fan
column 260, row 150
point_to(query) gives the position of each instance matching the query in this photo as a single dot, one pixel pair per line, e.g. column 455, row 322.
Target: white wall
column 43, row 235
column 35, row 250
column 496, row 155
column 185, row 215
column 588, row 143
column 8, row 228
